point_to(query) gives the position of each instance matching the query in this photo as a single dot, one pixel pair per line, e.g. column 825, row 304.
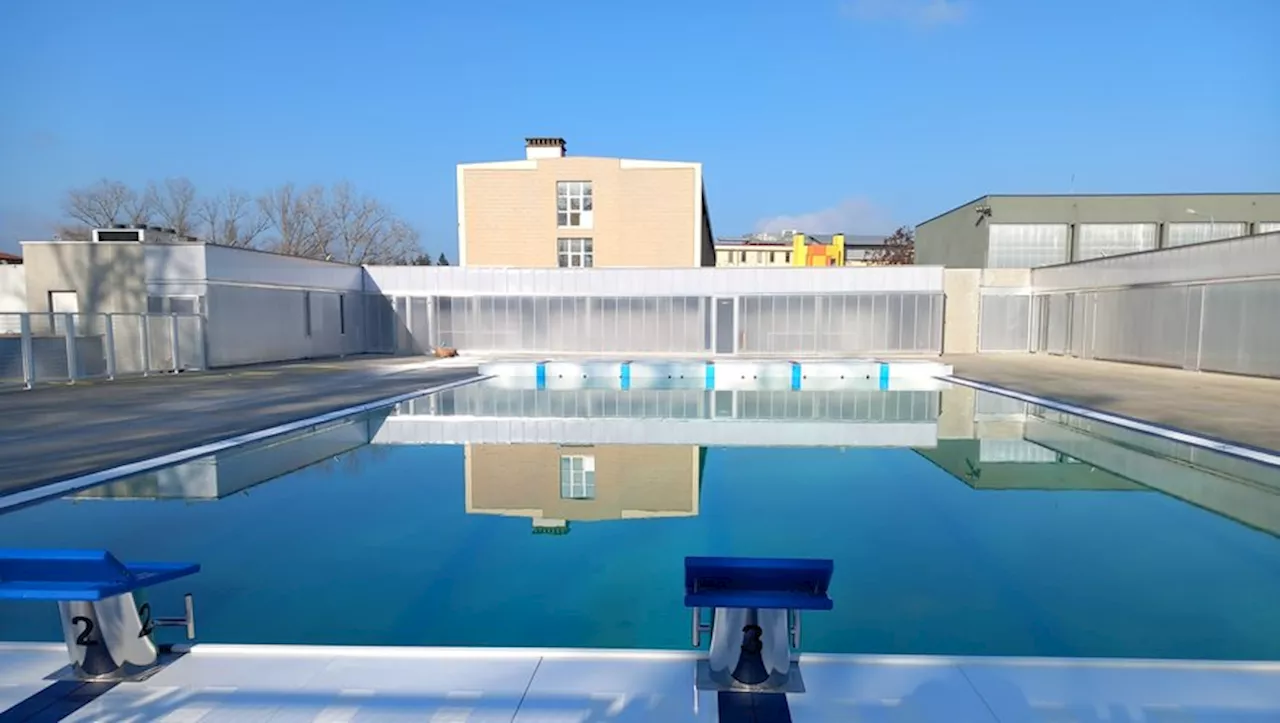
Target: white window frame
column 575, row 204
column 580, row 482
column 166, row 303
column 575, row 253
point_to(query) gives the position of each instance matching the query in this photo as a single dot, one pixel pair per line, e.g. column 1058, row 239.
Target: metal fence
column 53, row 347
column 774, row 324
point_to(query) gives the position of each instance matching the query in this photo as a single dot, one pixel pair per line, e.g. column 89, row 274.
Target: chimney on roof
column 543, row 148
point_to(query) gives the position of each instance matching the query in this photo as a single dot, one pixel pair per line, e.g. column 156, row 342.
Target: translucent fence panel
column 68, row 347
column 1226, row 327
column 1004, row 323
column 1057, row 332
column 572, row 324
column 1145, row 324
column 792, row 324
column 848, row 324
column 1241, row 333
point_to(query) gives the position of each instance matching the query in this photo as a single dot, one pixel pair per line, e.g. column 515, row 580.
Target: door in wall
column 62, row 302
column 724, row 326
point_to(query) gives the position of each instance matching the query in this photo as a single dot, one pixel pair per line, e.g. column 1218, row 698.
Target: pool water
column 984, row 542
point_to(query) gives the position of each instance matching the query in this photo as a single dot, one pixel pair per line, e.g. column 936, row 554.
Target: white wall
column 257, row 304
column 242, row 266
column 1238, row 258
column 253, row 324
column 13, row 296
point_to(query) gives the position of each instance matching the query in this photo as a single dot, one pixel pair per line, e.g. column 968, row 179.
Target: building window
column 1027, row 245
column 575, row 253
column 577, row 477
column 342, row 314
column 788, row 253
column 174, row 304
column 574, row 204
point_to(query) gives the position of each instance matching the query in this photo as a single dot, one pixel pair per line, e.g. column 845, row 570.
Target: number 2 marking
column 148, row 627
column 83, row 638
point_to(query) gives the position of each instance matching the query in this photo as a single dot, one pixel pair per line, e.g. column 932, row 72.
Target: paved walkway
column 1235, row 408
column 54, row 433
column 297, row 683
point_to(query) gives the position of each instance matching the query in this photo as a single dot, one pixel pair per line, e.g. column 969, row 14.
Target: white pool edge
column 75, row 484
column 392, row 652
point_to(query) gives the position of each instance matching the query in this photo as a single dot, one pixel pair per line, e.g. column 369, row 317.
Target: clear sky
column 854, row 115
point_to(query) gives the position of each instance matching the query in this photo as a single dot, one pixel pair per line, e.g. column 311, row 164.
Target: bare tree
column 898, row 249
column 231, row 218
column 366, row 232
column 298, row 221
column 105, row 204
column 338, row 225
column 173, row 205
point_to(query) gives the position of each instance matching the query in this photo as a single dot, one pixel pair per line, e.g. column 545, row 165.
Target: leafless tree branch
column 899, row 249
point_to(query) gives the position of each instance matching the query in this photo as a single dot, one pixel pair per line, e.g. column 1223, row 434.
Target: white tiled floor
column 23, row 669
column 307, row 685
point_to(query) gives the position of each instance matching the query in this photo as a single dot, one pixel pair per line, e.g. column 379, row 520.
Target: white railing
column 61, row 347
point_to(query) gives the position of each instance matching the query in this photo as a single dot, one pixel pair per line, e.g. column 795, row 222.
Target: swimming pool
column 959, row 522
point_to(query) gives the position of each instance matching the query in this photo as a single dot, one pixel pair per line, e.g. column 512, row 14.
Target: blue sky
column 853, row 115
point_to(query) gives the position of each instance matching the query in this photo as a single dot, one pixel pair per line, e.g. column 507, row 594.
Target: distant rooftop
column 9, row 258
column 784, row 239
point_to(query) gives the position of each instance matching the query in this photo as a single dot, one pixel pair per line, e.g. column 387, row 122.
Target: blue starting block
column 756, row 605
column 107, row 632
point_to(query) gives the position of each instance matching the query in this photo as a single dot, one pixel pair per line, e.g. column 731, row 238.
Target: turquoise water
column 1022, row 551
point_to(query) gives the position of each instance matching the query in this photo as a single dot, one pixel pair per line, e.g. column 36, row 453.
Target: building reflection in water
column 554, row 485
column 557, row 456
column 991, row 442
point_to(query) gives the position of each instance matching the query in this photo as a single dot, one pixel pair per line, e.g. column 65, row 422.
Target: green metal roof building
column 1023, row 231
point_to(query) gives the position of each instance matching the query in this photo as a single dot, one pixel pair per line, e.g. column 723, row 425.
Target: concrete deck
column 1233, row 408
column 53, row 433
column 287, row 683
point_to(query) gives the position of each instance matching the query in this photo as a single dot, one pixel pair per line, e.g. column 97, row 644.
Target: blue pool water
column 970, row 545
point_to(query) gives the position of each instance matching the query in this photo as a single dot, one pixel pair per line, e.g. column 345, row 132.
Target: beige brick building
column 554, row 485
column 552, row 210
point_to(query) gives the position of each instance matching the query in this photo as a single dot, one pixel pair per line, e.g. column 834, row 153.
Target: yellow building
column 797, row 249
column 552, row 210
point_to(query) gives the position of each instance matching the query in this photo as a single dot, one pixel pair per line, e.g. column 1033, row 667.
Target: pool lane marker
column 1254, row 454
column 75, row 484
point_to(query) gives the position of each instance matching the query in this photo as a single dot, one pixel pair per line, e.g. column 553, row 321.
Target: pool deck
column 286, row 683
column 1234, row 408
column 53, row 433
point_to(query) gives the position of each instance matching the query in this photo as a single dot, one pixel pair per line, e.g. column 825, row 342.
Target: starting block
column 108, row 631
column 755, row 623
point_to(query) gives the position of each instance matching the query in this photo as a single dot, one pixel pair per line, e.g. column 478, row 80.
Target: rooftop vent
column 543, row 148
